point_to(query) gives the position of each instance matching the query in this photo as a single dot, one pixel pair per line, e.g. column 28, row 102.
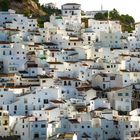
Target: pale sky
column 131, row 7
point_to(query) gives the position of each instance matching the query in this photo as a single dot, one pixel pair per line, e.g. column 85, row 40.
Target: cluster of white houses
column 67, row 81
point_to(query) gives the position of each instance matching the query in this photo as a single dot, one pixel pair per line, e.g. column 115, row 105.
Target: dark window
column 36, row 135
column 1, row 95
column 69, row 83
column 10, row 53
column 3, row 52
column 106, row 132
column 7, row 107
column 126, row 126
column 89, row 38
column 45, row 101
column 36, row 125
column 15, row 107
column 43, row 125
column 65, row 83
column 112, row 78
column 104, row 86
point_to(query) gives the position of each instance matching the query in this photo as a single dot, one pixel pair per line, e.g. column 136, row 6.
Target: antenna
column 101, row 7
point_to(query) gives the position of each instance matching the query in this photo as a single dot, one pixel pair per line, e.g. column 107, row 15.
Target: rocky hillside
column 27, row 7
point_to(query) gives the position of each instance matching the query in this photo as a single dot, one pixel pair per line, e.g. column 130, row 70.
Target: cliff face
column 27, row 7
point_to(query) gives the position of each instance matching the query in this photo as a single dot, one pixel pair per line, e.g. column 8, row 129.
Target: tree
column 99, row 16
column 127, row 23
column 114, row 14
column 5, row 5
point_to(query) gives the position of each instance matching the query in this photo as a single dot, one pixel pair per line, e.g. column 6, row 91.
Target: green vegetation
column 51, row 11
column 41, row 21
column 85, row 21
column 127, row 21
column 4, row 5
column 100, row 16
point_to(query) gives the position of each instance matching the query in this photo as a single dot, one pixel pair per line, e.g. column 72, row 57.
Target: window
column 126, row 94
column 36, row 125
column 10, row 53
column 7, row 107
column 43, row 125
column 26, row 107
column 25, row 100
column 82, row 126
column 15, row 107
column 36, row 135
column 89, row 38
column 3, row 52
column 65, row 83
column 45, row 101
column 69, row 83
column 104, row 86
column 1, row 95
column 38, row 99
column 112, row 78
column 120, row 94
column 126, row 126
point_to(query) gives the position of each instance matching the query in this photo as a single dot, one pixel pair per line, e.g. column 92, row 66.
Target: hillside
column 26, row 7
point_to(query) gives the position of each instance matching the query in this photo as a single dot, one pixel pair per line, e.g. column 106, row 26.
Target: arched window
column 65, row 83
